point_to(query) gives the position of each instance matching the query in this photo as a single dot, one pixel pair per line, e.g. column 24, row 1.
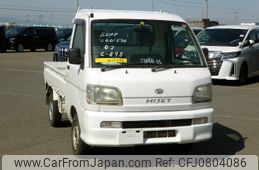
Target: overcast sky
column 62, row 11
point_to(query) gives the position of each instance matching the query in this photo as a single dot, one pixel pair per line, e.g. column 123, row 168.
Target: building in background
column 204, row 23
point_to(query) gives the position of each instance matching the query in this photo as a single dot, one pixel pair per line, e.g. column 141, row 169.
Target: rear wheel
column 54, row 114
column 20, row 48
column 79, row 147
column 49, row 47
column 3, row 50
column 243, row 74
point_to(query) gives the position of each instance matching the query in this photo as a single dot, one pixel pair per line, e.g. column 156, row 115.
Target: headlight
column 103, row 95
column 214, row 54
column 202, row 93
column 230, row 55
column 66, row 49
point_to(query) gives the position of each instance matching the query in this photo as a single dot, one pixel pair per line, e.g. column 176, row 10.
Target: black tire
column 243, row 74
column 54, row 114
column 32, row 49
column 55, row 56
column 3, row 50
column 79, row 147
column 20, row 47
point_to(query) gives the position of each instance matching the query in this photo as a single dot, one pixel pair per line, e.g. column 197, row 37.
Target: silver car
column 233, row 51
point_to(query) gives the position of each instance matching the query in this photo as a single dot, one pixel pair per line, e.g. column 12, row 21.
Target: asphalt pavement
column 25, row 128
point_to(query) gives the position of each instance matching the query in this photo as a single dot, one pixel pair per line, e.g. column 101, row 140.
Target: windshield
column 63, row 33
column 144, row 43
column 14, row 31
column 222, row 37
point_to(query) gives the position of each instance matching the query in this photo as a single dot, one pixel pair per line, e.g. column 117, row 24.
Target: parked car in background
column 196, row 30
column 63, row 33
column 3, row 41
column 61, row 50
column 233, row 51
column 32, row 38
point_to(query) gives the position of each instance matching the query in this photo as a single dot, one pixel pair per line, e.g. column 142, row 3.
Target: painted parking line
column 21, row 94
column 22, row 70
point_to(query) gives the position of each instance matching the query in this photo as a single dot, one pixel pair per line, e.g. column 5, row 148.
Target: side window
column 29, row 33
column 78, row 41
column 252, row 36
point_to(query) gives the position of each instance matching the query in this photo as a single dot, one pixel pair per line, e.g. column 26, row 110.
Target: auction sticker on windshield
column 111, row 60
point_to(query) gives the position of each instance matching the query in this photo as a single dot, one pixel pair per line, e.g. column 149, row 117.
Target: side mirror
column 249, row 42
column 206, row 53
column 74, row 56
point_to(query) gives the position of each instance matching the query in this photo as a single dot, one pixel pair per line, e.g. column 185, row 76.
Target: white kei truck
column 132, row 78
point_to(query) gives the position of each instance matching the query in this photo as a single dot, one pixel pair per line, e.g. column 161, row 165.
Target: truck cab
column 132, row 78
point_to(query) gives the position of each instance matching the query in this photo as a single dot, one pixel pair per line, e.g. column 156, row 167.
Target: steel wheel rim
column 75, row 136
column 50, row 111
column 49, row 47
column 20, row 47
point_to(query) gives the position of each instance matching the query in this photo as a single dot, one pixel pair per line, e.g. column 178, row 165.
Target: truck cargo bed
column 55, row 74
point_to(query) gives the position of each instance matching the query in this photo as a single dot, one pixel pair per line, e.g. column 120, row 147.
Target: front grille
column 156, row 124
column 214, row 66
column 63, row 54
column 159, row 134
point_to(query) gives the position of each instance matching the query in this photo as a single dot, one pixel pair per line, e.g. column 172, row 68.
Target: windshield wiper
column 136, row 65
column 161, row 67
column 111, row 67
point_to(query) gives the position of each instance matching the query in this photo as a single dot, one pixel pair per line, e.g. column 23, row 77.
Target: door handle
column 68, row 67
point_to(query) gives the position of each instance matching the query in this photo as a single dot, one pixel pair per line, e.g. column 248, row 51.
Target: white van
column 233, row 51
column 132, row 78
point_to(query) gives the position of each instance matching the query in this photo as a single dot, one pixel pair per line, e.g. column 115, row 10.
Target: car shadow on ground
column 225, row 141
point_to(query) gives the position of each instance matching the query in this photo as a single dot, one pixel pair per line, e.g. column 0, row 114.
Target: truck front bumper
column 141, row 129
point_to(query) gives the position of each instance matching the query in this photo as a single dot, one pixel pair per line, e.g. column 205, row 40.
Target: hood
column 144, row 82
column 224, row 49
column 139, row 88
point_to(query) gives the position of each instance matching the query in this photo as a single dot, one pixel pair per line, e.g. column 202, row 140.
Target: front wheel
column 49, row 47
column 243, row 74
column 54, row 114
column 20, row 48
column 79, row 147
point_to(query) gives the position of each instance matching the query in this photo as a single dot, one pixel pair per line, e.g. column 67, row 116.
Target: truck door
column 27, row 38
column 75, row 72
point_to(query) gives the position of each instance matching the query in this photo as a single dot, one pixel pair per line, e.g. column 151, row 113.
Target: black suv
column 3, row 41
column 32, row 38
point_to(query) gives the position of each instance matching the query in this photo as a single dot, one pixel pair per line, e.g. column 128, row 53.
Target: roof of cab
column 246, row 27
column 120, row 14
